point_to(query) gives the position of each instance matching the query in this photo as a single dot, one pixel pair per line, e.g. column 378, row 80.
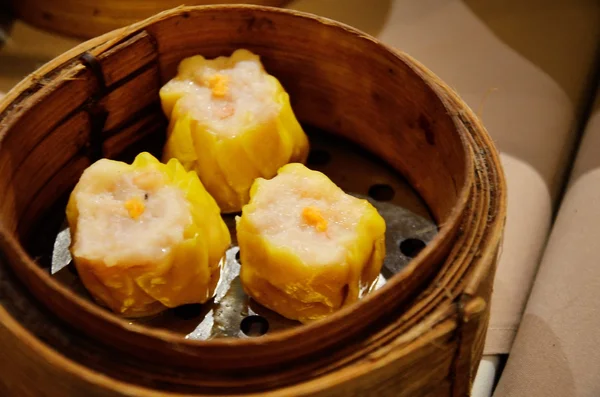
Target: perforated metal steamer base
column 231, row 313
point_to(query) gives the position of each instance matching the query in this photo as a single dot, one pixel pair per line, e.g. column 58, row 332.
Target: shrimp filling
column 310, row 216
column 128, row 218
column 226, row 99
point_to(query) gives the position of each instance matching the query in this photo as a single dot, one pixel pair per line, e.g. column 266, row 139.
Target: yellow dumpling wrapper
column 306, row 247
column 231, row 122
column 145, row 237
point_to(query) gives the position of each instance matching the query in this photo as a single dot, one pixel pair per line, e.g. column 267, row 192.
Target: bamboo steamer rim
column 277, row 340
column 494, row 201
column 86, row 19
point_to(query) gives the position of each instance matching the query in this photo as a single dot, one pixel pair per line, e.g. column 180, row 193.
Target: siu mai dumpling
column 306, row 247
column 145, row 236
column 231, row 122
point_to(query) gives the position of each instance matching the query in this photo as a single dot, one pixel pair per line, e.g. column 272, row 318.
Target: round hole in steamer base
column 411, row 247
column 226, row 315
column 254, row 325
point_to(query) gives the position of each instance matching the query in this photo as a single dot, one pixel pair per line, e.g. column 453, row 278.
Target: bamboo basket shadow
column 421, row 334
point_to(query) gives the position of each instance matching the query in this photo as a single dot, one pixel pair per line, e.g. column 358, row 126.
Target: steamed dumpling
column 306, row 247
column 231, row 122
column 146, row 236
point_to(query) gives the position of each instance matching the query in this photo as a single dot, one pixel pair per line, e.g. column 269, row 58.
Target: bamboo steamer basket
column 90, row 18
column 421, row 334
